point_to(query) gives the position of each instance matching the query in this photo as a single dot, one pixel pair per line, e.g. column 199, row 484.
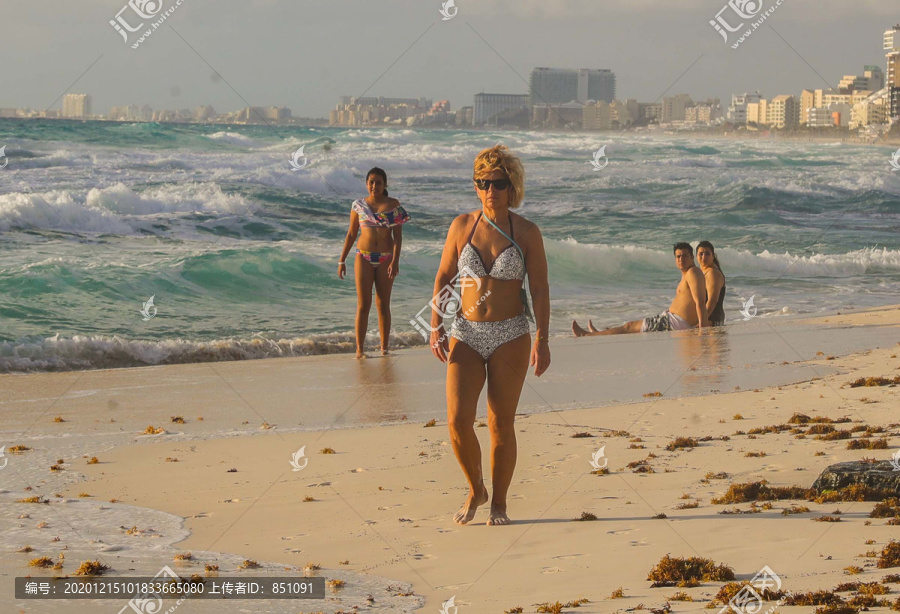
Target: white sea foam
column 101, row 352
column 116, row 209
column 234, row 138
column 182, row 198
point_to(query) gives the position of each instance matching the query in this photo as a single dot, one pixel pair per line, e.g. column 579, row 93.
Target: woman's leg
column 465, row 379
column 630, row 327
column 365, row 275
column 383, row 286
column 506, row 369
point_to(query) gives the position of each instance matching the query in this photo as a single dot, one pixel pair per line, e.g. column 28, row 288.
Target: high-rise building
column 892, row 74
column 871, row 79
column 758, row 112
column 76, row 106
column 807, row 101
column 737, row 112
column 649, row 112
column 673, row 107
column 488, row 106
column 558, row 85
column 596, row 116
column 874, row 76
column 783, row 112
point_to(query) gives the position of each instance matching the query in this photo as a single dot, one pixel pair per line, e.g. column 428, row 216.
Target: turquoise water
column 240, row 252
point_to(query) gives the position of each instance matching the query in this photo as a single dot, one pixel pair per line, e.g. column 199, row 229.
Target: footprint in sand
column 620, row 532
column 357, row 470
column 551, row 570
column 568, row 556
column 638, row 543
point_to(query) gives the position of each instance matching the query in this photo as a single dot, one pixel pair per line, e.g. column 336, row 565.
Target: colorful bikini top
column 508, row 264
column 374, row 219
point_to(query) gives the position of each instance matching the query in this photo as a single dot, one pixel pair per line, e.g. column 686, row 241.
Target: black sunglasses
column 485, row 184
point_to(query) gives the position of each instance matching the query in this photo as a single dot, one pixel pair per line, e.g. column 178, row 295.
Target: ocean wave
column 234, row 138
column 116, row 209
column 24, row 159
column 585, row 261
column 56, row 210
column 102, row 352
column 169, row 198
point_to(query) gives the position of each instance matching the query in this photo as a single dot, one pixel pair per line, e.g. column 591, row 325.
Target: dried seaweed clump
column 865, row 443
column 681, row 442
column 889, row 508
column 875, row 381
column 728, row 591
column 760, row 491
column 890, row 556
column 853, row 492
column 686, row 572
column 91, row 568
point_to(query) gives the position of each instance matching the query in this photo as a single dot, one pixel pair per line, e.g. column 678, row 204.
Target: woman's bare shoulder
column 524, row 226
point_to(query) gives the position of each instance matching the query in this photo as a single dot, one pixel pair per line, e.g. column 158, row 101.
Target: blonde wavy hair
column 500, row 158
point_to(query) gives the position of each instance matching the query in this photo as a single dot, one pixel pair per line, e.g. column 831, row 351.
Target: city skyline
column 449, row 62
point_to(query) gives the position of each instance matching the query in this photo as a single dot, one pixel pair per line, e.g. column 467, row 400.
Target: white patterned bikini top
column 508, row 264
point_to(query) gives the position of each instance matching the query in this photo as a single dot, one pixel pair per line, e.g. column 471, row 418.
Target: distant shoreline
column 738, row 135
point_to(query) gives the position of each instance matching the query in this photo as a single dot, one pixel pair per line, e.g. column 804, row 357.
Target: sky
column 304, row 54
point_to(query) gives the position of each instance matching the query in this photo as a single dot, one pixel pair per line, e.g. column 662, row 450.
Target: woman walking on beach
column 490, row 250
column 377, row 259
column 715, row 282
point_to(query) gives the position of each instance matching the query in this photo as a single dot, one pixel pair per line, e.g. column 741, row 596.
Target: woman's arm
column 440, row 344
column 349, row 240
column 539, row 284
column 394, row 266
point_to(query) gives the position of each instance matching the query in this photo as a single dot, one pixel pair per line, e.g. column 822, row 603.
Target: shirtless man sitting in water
column 688, row 308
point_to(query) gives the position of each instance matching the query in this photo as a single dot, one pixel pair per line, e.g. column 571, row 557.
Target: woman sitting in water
column 377, row 255
column 715, row 282
column 490, row 250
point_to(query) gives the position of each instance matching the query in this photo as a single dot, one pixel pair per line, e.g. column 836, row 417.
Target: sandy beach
column 376, row 512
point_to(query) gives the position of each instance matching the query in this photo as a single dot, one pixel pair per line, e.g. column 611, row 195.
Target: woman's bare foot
column 467, row 512
column 577, row 330
column 591, row 327
column 385, row 352
column 498, row 515
column 360, row 355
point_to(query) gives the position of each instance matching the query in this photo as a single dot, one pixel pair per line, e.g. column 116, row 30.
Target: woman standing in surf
column 377, row 260
column 490, row 250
